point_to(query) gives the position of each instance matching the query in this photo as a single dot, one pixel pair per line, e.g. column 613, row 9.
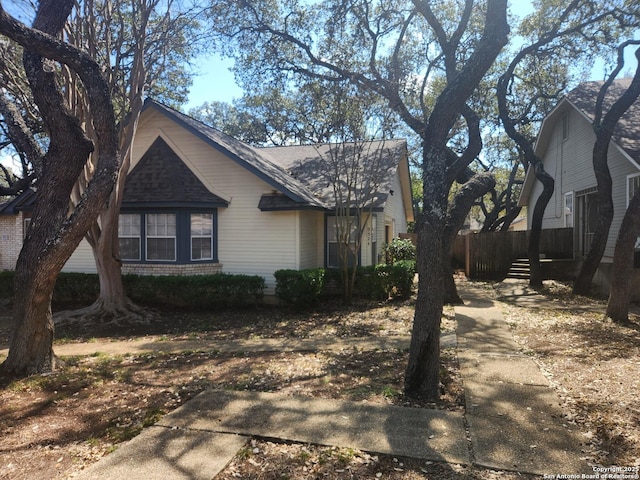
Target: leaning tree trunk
column 620, row 295
column 55, row 232
column 535, row 279
column 475, row 187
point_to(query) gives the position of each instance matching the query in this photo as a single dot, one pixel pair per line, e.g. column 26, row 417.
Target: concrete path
column 514, row 416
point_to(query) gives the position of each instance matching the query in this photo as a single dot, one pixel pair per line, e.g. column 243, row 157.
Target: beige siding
column 310, row 243
column 250, row 241
column 81, row 260
column 11, row 235
column 394, row 208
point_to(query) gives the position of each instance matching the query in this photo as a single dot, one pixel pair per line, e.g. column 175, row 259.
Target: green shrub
column 76, row 288
column 6, row 284
column 198, row 291
column 399, row 250
column 299, row 287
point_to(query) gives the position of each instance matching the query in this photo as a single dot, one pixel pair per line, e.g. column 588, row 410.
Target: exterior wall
column 250, row 241
column 11, row 235
column 569, row 161
column 81, row 261
column 394, row 210
column 311, row 234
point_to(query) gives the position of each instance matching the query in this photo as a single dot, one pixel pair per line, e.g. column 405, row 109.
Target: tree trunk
column 535, row 279
column 477, row 185
column 422, row 377
column 55, row 232
column 32, row 337
column 620, row 295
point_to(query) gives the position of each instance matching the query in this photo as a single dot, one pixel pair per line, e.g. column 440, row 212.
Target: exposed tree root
column 106, row 313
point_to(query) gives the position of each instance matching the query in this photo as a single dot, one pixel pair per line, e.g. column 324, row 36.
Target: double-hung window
column 129, row 236
column 201, row 236
column 337, row 239
column 161, row 236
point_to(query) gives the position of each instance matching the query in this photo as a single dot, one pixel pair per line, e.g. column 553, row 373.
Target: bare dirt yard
column 54, row 426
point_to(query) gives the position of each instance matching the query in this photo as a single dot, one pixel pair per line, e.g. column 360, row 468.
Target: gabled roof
column 627, row 131
column 626, row 134
column 298, row 173
column 160, row 178
column 249, row 157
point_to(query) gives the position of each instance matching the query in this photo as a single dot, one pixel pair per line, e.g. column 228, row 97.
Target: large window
column 201, row 236
column 161, row 236
column 178, row 235
column 336, row 227
column 129, row 233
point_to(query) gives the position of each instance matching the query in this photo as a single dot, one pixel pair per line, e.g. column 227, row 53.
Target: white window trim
column 138, row 237
column 573, row 209
column 210, row 237
column 147, row 237
column 629, row 177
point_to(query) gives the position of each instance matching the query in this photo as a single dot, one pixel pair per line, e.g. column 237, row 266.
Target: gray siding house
column 565, row 145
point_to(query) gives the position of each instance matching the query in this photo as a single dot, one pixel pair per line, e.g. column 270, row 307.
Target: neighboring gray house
column 198, row 201
column 565, row 145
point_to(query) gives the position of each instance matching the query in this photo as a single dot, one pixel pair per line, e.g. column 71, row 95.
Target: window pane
column 161, row 249
column 201, row 224
column 201, row 249
column 130, row 248
column 201, row 236
column 129, row 236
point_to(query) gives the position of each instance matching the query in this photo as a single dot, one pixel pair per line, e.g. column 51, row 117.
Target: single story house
column 198, row 201
column 565, row 146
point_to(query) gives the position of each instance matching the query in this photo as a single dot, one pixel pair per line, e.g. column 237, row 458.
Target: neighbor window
column 633, row 185
column 201, row 236
column 161, row 236
column 129, row 236
column 568, row 209
column 335, row 227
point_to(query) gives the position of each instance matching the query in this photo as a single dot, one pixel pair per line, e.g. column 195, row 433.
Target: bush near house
column 198, row 291
column 399, row 250
column 380, row 282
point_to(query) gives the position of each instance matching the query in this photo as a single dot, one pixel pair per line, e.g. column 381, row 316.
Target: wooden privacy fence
column 488, row 256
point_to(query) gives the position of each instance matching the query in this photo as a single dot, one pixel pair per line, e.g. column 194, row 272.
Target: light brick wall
column 164, row 269
column 10, row 240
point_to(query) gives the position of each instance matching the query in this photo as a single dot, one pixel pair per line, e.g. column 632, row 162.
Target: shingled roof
column 161, row 178
column 627, row 131
column 313, row 164
column 247, row 156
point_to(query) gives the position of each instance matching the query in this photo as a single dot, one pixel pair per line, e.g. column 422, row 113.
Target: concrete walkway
column 513, row 418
